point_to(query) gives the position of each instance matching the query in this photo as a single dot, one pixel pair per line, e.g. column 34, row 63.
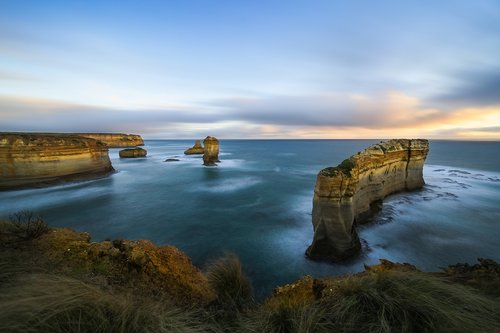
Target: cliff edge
column 115, row 140
column 344, row 195
column 33, row 159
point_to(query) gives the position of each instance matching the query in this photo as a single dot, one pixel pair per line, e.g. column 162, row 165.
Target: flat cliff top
column 45, row 140
column 378, row 149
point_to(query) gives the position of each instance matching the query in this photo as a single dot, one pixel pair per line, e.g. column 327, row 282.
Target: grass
column 35, row 299
column 48, row 303
column 388, row 301
column 231, row 285
column 345, row 167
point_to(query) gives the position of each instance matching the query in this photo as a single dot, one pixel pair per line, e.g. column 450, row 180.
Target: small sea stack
column 196, row 149
column 350, row 193
column 211, row 151
column 133, row 152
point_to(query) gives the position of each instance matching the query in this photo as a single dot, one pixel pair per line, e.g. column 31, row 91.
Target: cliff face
column 37, row 159
column 115, row 140
column 211, row 151
column 344, row 195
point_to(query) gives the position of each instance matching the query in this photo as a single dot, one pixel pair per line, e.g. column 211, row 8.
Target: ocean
column 257, row 204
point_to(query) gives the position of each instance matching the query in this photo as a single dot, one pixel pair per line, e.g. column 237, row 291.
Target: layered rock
column 34, row 159
column 133, row 152
column 211, row 151
column 349, row 193
column 116, row 140
column 196, row 149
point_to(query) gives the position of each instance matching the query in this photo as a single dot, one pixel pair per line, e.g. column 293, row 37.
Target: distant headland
column 40, row 159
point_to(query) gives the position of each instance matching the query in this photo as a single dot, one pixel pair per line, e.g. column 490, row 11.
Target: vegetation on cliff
column 57, row 280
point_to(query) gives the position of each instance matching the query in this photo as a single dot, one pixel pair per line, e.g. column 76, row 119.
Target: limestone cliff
column 196, row 149
column 115, row 140
column 211, row 153
column 33, row 159
column 344, row 195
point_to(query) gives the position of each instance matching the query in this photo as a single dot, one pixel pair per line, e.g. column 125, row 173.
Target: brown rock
column 211, row 154
column 346, row 194
column 196, row 149
column 36, row 159
column 133, row 153
column 139, row 266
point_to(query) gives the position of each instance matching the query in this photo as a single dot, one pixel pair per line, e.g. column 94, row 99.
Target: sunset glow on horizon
column 255, row 69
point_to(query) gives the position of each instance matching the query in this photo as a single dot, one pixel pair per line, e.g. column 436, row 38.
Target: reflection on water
column 257, row 203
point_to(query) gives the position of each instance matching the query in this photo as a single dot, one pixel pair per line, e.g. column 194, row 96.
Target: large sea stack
column 211, row 151
column 346, row 195
column 34, row 159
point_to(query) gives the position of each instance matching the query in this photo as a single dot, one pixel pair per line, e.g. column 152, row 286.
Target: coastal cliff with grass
column 59, row 280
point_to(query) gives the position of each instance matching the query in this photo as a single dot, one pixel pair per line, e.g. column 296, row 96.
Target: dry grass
column 232, row 286
column 47, row 303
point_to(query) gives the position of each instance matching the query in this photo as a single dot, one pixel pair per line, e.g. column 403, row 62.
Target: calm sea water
column 257, row 203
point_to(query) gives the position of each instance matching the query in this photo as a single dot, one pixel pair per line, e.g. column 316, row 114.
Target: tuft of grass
column 47, row 303
column 28, row 226
column 288, row 317
column 408, row 302
column 233, row 288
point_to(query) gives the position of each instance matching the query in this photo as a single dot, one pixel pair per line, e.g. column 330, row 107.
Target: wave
column 229, row 185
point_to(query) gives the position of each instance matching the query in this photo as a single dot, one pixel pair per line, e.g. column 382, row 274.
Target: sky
column 311, row 69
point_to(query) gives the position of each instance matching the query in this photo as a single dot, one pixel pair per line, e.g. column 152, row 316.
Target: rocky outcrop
column 349, row 193
column 211, row 153
column 115, row 140
column 34, row 159
column 196, row 149
column 133, row 153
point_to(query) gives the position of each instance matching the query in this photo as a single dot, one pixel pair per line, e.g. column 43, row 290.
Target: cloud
column 380, row 111
column 392, row 114
column 472, row 88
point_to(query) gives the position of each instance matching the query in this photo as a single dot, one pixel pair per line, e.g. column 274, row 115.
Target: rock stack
column 196, row 149
column 345, row 195
column 133, row 152
column 211, row 151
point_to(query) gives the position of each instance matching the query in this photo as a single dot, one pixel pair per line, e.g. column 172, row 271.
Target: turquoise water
column 257, row 203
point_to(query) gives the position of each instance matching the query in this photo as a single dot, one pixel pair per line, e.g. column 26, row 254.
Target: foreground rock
column 34, row 159
column 349, row 193
column 196, row 149
column 133, row 153
column 211, row 153
column 116, row 140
